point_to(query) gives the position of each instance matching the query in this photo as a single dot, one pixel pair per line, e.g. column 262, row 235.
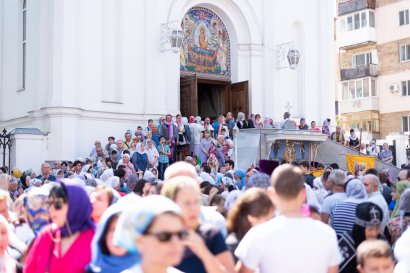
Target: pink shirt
column 75, row 260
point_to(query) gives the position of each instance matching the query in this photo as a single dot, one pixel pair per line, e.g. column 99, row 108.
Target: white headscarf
column 138, row 148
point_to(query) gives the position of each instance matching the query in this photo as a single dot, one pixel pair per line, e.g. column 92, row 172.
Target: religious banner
column 360, row 163
column 205, row 47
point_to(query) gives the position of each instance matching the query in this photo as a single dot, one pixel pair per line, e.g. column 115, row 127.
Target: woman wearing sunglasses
column 207, row 251
column 65, row 244
column 153, row 228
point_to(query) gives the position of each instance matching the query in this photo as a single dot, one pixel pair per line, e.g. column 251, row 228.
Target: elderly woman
column 57, row 245
column 154, row 228
column 207, row 251
column 397, row 225
column 140, row 158
column 126, row 165
column 241, row 121
column 152, row 153
column 344, row 213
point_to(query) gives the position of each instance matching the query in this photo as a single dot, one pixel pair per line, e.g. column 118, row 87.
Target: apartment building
column 373, row 60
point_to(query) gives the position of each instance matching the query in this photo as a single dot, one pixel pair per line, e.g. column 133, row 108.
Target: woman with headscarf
column 153, row 229
column 126, row 165
column 367, row 221
column 344, row 212
column 206, row 249
column 205, row 147
column 326, row 127
column 33, row 214
column 267, row 123
column 7, row 263
column 231, row 199
column 106, row 257
column 140, row 158
column 400, row 187
column 241, row 121
column 196, row 128
column 152, row 153
column 57, row 245
column 88, row 171
column 240, row 178
column 398, row 224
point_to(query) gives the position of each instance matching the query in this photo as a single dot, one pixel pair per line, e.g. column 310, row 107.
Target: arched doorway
column 205, row 66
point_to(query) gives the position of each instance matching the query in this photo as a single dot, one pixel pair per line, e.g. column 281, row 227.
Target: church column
column 257, row 91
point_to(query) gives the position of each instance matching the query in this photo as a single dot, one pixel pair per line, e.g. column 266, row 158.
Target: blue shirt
column 215, row 243
column 155, row 137
column 163, row 158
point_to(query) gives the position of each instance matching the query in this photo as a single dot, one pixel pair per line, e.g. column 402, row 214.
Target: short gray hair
column 373, row 178
column 337, row 177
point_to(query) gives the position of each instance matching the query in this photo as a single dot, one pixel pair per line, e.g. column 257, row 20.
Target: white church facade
column 81, row 70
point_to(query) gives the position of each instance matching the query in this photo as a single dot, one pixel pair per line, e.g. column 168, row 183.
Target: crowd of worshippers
column 298, row 217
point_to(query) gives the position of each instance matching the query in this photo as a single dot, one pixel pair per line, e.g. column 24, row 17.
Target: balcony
column 361, row 71
column 359, row 105
column 355, row 5
column 357, row 38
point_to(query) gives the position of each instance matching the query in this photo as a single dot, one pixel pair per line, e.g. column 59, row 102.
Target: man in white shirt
column 336, row 182
column 290, row 242
column 372, row 184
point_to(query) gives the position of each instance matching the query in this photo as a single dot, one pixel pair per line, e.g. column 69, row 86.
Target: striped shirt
column 344, row 217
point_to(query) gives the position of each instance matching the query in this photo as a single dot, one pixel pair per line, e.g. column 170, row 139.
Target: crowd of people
column 169, row 201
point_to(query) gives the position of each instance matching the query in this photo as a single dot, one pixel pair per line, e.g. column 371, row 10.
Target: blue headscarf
column 218, row 179
column 241, row 174
column 101, row 262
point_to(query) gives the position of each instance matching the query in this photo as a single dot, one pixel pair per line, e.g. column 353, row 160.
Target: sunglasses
column 57, row 204
column 165, row 236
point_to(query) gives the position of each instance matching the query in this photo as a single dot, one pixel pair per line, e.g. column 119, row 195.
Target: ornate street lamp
column 293, row 58
column 171, row 36
column 175, row 39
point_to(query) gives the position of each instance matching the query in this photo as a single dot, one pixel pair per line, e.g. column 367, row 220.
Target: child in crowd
column 375, row 256
column 163, row 159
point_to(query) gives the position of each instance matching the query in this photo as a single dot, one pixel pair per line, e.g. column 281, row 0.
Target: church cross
column 288, row 107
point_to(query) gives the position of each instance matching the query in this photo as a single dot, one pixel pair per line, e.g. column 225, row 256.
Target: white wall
column 392, row 102
column 95, row 69
column 387, row 22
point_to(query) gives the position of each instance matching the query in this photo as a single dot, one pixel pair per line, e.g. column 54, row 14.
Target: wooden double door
column 210, row 98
